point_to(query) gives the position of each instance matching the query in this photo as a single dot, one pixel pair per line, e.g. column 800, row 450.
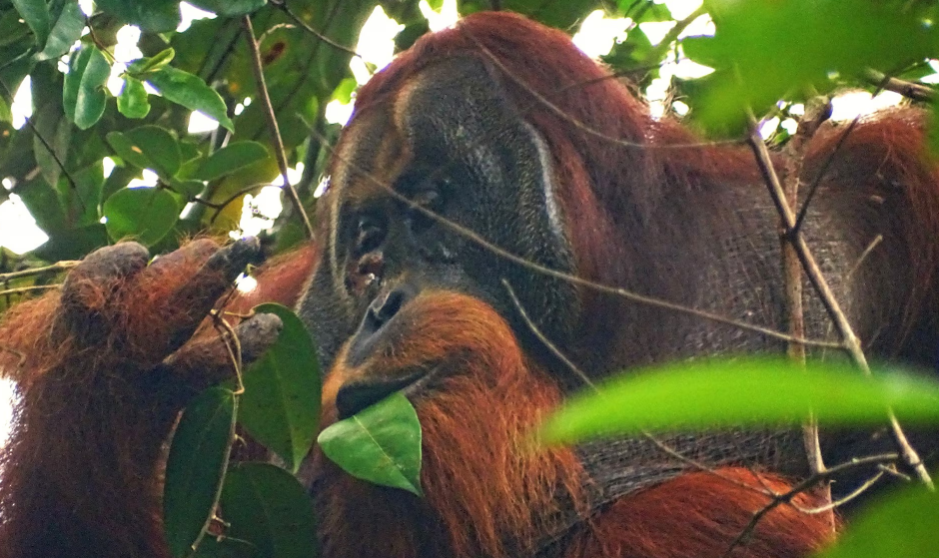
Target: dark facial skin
column 451, row 145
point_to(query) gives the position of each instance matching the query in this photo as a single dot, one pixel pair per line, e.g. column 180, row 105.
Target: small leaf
column 231, row 158
column 717, row 393
column 188, row 188
column 158, row 16
column 83, row 95
column 229, row 7
column 195, row 468
column 36, row 15
column 269, row 508
column 281, row 404
column 67, row 29
column 155, row 62
column 902, row 525
column 149, row 147
column 191, row 92
column 381, row 444
column 144, row 214
column 132, row 102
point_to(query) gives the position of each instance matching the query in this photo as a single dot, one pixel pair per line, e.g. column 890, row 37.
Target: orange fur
column 698, row 515
column 488, row 492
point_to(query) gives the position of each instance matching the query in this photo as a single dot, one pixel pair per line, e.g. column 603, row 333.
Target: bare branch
column 786, row 497
column 282, row 4
column 30, row 289
column 272, row 123
column 817, row 112
column 63, row 265
column 909, row 89
column 852, row 344
column 673, row 34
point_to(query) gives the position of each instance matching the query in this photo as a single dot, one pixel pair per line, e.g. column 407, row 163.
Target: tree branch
column 272, row 123
column 852, row 344
column 909, row 89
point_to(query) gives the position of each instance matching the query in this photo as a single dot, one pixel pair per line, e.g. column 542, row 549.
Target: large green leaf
column 902, row 525
column 771, row 49
column 150, row 147
column 196, row 466
column 84, row 95
column 281, row 403
column 36, row 15
column 152, row 15
column 269, row 508
column 381, row 444
column 66, row 30
column 232, row 157
column 143, row 214
column 718, row 393
column 191, row 92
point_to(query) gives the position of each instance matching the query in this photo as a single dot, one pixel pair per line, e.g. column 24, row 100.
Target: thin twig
column 30, row 289
column 52, row 153
column 272, row 123
column 909, row 89
column 282, row 4
column 786, row 497
column 852, row 344
column 63, row 265
column 673, row 34
column 580, row 374
column 817, row 112
column 232, row 345
column 834, row 504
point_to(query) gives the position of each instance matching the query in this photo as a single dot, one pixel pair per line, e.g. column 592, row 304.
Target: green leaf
column 381, row 444
column 157, row 16
column 229, row 7
column 144, row 214
column 188, row 188
column 43, row 203
column 281, row 403
column 269, row 508
column 195, row 467
column 6, row 112
column 155, row 62
column 12, row 28
column 709, row 394
column 234, row 156
column 191, row 92
column 770, row 49
column 84, row 95
column 56, row 130
column 902, row 525
column 67, row 29
column 132, row 102
column 149, row 147
column 36, row 15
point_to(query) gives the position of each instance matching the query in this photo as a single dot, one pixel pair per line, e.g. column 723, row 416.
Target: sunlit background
column 596, row 36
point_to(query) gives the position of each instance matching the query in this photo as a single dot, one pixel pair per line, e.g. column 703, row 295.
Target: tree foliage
column 768, row 58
